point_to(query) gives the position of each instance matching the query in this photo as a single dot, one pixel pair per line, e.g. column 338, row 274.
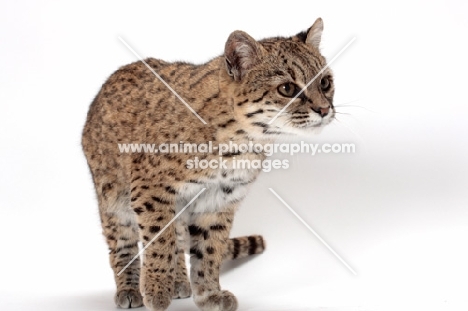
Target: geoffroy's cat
column 237, row 94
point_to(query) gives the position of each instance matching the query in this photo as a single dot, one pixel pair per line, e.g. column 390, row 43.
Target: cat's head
column 282, row 80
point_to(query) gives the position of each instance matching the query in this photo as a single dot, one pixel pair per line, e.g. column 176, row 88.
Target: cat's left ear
column 241, row 52
column 313, row 36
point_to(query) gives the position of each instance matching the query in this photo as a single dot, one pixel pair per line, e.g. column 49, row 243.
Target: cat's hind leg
column 121, row 233
column 182, row 284
column 154, row 203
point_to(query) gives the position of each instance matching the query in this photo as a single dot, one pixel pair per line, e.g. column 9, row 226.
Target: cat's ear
column 241, row 53
column 314, row 34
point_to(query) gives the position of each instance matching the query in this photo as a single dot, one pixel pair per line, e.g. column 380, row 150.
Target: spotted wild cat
column 237, row 94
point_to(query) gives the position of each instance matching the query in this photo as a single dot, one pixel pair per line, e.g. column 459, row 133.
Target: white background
column 396, row 210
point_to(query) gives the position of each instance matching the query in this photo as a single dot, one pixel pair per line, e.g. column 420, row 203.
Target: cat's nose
column 324, row 111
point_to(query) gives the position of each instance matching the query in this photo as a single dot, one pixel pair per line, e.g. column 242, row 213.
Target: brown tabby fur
column 138, row 194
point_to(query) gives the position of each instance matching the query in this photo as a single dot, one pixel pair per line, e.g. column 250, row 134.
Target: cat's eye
column 325, row 84
column 288, row 89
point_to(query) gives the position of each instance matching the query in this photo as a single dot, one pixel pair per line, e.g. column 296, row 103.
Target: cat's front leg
column 209, row 233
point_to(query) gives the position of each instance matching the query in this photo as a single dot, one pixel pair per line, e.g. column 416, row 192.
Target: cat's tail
column 244, row 246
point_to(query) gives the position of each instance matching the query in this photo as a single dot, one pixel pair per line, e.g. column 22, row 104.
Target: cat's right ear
column 313, row 35
column 241, row 53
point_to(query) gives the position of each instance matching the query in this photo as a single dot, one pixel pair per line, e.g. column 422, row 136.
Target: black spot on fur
column 138, row 210
column 195, row 230
column 154, row 229
column 260, row 124
column 227, row 190
column 170, row 190
column 218, row 227
column 251, row 114
column 242, row 102
column 260, row 98
column 196, row 252
column 231, row 154
column 149, row 206
column 223, row 125
column 105, row 188
column 160, row 200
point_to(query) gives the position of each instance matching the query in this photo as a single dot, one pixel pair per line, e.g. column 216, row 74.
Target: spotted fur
column 138, row 194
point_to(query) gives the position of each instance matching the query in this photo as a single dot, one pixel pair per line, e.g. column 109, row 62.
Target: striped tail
column 244, row 246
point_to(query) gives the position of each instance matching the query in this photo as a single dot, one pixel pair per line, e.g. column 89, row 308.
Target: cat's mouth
column 296, row 123
column 312, row 124
column 313, row 121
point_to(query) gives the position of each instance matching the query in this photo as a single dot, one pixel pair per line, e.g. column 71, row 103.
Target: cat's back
column 136, row 106
column 133, row 88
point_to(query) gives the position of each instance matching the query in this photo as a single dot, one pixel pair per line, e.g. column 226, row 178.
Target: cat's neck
column 211, row 93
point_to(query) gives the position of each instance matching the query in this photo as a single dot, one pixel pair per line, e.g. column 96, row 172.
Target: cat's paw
column 128, row 298
column 218, row 301
column 182, row 290
column 158, row 301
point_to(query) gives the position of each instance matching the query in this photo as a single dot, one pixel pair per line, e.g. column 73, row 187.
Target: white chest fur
column 222, row 189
